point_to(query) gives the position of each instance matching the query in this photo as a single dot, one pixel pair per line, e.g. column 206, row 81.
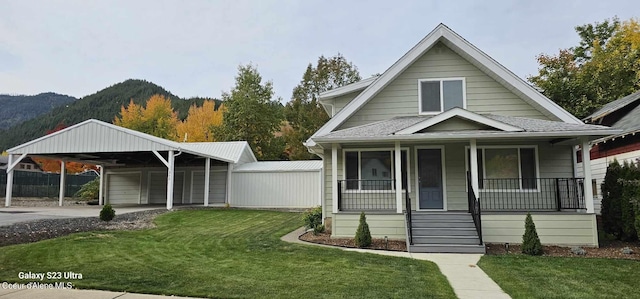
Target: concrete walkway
column 75, row 294
column 465, row 277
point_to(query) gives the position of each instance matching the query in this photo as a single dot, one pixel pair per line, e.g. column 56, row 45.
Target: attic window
column 438, row 95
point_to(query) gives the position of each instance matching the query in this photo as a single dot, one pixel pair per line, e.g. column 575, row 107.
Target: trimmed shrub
column 363, row 235
column 620, row 192
column 611, row 197
column 312, row 217
column 318, row 229
column 89, row 190
column 107, row 213
column 530, row 241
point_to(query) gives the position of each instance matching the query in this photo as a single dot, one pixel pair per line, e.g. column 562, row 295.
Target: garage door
column 217, row 186
column 158, row 187
column 123, row 188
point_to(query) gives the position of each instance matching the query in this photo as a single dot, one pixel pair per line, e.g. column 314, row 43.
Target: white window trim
column 445, row 206
column 464, row 94
column 518, row 147
column 375, row 149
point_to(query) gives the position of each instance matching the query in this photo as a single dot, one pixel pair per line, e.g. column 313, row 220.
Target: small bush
column 530, row 241
column 363, row 235
column 312, row 217
column 89, row 190
column 318, row 229
column 107, row 213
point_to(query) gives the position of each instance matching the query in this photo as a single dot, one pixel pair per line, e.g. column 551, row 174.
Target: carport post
column 7, row 199
column 101, row 188
column 170, row 180
column 207, row 172
column 62, row 179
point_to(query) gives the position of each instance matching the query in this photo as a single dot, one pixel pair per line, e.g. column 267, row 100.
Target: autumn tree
column 200, row 123
column 252, row 114
column 303, row 113
column 53, row 165
column 156, row 118
column 604, row 66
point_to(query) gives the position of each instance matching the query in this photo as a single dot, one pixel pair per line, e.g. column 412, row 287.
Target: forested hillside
column 103, row 105
column 15, row 109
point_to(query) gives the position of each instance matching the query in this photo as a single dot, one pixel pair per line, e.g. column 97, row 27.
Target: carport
column 130, row 159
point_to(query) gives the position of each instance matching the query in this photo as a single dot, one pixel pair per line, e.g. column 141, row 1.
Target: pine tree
column 530, row 241
column 363, row 235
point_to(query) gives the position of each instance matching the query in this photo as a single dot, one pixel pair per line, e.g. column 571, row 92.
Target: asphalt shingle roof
column 613, row 106
column 391, row 126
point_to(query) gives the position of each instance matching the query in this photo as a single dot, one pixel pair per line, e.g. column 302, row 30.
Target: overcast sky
column 193, row 48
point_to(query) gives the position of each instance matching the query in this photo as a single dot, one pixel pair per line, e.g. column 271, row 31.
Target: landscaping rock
column 578, row 250
column 33, row 231
column 627, row 250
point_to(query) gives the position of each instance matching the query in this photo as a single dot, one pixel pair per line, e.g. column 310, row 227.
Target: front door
column 431, row 191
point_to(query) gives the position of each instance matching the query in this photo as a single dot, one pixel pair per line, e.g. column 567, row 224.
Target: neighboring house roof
column 4, row 160
column 474, row 55
column 94, row 136
column 336, row 92
column 280, row 166
column 613, row 106
column 396, row 129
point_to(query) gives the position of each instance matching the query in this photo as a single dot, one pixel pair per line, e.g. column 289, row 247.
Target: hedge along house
column 137, row 168
column 448, row 150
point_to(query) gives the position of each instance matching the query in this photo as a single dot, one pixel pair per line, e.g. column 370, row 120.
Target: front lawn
column 223, row 253
column 524, row 276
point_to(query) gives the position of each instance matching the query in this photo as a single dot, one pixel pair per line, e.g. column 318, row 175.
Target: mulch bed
column 33, row 231
column 379, row 244
column 609, row 249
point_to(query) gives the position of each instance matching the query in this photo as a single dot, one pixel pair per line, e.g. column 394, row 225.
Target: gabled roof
column 94, row 136
column 389, row 130
column 458, row 113
column 613, row 107
column 443, row 34
column 355, row 86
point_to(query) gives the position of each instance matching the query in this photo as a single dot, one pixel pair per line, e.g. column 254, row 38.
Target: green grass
column 524, row 276
column 223, row 253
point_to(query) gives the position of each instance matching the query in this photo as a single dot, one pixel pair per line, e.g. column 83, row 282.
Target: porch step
column 423, row 240
column 442, row 224
column 447, row 248
column 441, row 231
column 444, row 232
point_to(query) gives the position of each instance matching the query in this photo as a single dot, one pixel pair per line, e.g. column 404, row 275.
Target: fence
column 38, row 184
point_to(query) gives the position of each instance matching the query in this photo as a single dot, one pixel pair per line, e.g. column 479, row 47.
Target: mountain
column 103, row 105
column 15, row 109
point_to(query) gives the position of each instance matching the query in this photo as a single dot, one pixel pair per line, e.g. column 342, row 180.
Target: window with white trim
column 510, row 168
column 373, row 169
column 438, row 95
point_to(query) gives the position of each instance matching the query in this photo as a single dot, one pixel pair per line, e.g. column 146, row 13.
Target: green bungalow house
column 449, row 150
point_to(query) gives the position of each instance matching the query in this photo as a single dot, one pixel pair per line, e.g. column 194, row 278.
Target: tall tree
column 200, row 123
column 304, row 114
column 604, row 66
column 157, row 118
column 252, row 114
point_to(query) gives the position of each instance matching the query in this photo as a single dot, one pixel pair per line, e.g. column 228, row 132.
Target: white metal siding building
column 277, row 184
column 138, row 168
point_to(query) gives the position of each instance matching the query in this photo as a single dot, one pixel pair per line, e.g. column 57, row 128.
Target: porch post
column 9, row 193
column 101, row 188
column 473, row 160
column 334, row 177
column 586, row 170
column 170, row 174
column 62, row 179
column 207, row 173
column 398, row 177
